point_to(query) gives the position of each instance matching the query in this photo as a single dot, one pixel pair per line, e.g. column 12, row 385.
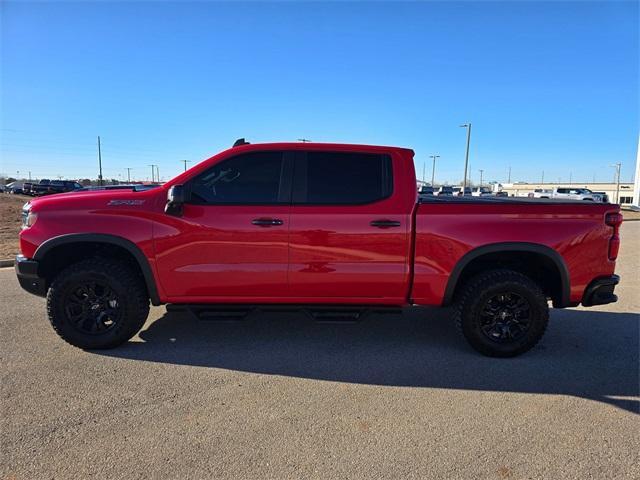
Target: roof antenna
column 240, row 141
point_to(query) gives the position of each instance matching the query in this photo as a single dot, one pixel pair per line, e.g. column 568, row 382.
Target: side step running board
column 318, row 313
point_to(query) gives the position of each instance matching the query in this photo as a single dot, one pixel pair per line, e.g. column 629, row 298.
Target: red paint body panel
column 446, row 232
column 322, row 254
column 336, row 253
column 215, row 251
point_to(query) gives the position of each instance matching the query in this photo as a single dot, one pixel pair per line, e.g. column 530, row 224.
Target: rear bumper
column 600, row 291
column 27, row 273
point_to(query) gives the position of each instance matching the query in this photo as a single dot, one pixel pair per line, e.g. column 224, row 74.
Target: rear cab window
column 341, row 178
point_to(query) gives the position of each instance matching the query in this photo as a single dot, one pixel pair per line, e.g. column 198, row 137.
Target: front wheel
column 97, row 303
column 502, row 313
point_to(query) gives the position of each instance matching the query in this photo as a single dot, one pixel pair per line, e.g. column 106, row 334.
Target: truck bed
column 507, row 200
column 451, row 231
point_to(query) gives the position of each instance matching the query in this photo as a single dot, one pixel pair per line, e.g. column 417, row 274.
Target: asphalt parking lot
column 279, row 396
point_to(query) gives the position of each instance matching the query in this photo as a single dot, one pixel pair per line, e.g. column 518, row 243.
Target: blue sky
column 548, row 86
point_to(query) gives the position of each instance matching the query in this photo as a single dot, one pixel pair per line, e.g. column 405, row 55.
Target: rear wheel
column 97, row 303
column 502, row 313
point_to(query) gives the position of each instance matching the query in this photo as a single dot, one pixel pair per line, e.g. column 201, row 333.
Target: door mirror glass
column 176, row 196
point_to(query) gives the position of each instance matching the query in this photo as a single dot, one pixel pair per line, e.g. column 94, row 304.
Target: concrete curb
column 6, row 263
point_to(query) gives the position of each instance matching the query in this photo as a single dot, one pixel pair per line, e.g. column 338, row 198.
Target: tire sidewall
column 539, row 313
column 114, row 336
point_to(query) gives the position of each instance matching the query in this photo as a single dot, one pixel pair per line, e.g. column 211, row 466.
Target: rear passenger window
column 336, row 178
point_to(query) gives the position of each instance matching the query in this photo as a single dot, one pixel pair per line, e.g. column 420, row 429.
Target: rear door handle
column 266, row 222
column 385, row 223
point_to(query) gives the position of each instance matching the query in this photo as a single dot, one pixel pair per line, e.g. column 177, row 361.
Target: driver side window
column 249, row 179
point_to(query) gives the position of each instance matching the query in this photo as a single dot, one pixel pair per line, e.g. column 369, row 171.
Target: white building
column 625, row 194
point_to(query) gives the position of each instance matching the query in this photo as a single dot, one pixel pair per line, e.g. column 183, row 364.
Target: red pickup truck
column 334, row 229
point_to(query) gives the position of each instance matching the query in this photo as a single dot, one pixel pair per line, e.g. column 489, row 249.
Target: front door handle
column 266, row 222
column 385, row 223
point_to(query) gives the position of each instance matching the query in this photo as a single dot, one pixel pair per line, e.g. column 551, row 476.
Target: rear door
column 349, row 230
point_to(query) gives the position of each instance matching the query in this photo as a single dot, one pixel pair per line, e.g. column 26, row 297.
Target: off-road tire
column 121, row 279
column 479, row 289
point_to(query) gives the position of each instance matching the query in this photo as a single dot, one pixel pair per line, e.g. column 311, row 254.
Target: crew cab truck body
column 319, row 226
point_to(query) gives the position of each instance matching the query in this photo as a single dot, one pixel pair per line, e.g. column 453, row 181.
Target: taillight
column 614, row 219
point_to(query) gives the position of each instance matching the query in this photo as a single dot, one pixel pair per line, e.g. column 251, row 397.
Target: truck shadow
column 588, row 354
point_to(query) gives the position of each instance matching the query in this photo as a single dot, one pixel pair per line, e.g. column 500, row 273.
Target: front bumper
column 600, row 291
column 27, row 273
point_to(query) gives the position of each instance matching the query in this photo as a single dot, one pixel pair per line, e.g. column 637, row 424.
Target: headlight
column 28, row 217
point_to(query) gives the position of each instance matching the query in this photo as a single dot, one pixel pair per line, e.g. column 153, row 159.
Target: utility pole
column 99, row 162
column 158, row 173
column 481, row 173
column 570, row 177
column 542, row 182
column 128, row 174
column 466, row 157
column 617, row 167
column 29, row 175
column 185, row 164
column 153, row 172
column 424, row 167
column 433, row 169
column 509, row 177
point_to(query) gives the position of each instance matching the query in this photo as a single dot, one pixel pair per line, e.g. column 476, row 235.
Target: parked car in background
column 458, row 191
column 14, row 187
column 573, row 194
column 481, row 192
column 425, row 190
column 540, row 193
column 600, row 197
column 445, row 190
column 55, row 186
column 137, row 187
column 501, row 194
column 30, row 188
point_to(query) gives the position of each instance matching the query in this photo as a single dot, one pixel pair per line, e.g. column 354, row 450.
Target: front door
column 232, row 239
column 349, row 233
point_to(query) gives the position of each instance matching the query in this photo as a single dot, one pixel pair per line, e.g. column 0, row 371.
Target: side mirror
column 176, row 198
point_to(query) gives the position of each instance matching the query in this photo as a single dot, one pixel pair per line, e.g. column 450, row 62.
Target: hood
column 96, row 199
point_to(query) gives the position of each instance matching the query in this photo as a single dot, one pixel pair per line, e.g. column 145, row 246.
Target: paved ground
column 280, row 397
